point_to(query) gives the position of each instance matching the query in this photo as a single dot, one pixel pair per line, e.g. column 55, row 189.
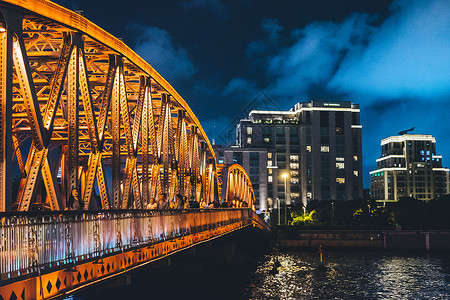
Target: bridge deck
column 60, row 252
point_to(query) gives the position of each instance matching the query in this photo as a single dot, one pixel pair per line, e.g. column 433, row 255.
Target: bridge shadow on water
column 219, row 269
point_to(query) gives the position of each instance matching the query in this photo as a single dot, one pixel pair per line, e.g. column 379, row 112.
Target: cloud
column 240, row 87
column 273, row 29
column 157, row 48
column 314, row 54
column 407, row 56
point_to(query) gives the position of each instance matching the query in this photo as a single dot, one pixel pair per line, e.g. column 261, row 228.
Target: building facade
column 313, row 151
column 409, row 167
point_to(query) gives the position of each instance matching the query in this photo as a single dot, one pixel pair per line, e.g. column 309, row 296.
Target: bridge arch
column 238, row 186
column 83, row 111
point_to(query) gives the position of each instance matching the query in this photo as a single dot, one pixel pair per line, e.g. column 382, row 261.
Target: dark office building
column 313, row 151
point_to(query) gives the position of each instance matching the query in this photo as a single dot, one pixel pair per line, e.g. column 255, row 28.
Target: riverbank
column 293, row 238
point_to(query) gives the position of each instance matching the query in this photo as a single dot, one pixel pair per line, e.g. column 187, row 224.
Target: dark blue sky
column 391, row 57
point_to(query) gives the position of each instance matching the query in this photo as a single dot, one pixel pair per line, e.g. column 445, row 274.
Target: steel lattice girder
column 87, row 102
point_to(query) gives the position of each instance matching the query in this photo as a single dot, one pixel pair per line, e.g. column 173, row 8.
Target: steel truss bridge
column 81, row 111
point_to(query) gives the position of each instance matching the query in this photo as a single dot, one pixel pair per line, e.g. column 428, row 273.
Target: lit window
column 269, row 163
column 308, row 148
column 270, row 171
column 294, row 180
column 355, row 173
column 309, row 195
column 270, row 179
column 340, row 165
column 355, row 157
column 249, row 130
column 324, row 148
column 294, row 173
column 295, row 195
column 269, row 155
column 293, row 157
column 294, row 166
column 339, row 159
column 340, row 180
column 266, row 140
column 249, row 140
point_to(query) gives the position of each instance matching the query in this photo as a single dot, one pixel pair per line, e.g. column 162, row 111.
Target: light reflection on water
column 352, row 276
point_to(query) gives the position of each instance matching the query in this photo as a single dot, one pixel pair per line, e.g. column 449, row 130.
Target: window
column 339, row 159
column 324, row 148
column 308, row 148
column 293, row 157
column 249, row 130
column 280, row 130
column 340, row 165
column 339, row 119
column 269, row 163
column 294, row 180
column 340, row 180
column 281, row 156
column 249, row 140
column 355, row 157
column 324, row 118
column 270, row 171
column 254, row 159
column 266, row 140
column 270, row 179
column 294, row 173
column 295, row 195
column 237, row 157
column 294, row 166
column 355, row 173
column 269, row 155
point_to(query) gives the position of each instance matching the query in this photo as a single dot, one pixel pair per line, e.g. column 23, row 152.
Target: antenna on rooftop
column 406, row 131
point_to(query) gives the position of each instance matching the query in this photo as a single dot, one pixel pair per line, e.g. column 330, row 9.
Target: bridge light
column 2, row 27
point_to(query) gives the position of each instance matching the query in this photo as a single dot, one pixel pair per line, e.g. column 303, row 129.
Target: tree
column 308, row 219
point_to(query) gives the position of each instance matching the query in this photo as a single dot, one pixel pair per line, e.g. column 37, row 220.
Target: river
column 352, row 275
column 346, row 275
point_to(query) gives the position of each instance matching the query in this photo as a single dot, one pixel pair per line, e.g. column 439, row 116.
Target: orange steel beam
column 241, row 170
column 75, row 21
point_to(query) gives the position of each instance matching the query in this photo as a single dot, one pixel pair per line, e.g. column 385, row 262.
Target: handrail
column 62, row 238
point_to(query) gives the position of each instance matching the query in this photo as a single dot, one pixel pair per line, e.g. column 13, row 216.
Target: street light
column 278, row 206
column 285, row 175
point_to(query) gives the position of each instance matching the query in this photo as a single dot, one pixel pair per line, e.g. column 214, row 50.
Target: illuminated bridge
column 81, row 113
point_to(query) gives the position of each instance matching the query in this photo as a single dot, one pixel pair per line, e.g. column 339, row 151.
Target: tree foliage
column 409, row 213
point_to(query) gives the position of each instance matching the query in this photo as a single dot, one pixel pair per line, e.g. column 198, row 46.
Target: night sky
column 226, row 57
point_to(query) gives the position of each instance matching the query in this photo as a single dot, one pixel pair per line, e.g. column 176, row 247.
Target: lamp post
column 285, row 175
column 278, row 207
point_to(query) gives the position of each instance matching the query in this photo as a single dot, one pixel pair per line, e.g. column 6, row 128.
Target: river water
column 347, row 275
column 351, row 275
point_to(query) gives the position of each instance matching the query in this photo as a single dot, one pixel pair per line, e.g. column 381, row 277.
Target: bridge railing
column 259, row 222
column 44, row 240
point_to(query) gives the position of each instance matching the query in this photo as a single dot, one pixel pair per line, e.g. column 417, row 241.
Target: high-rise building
column 313, row 151
column 409, row 167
